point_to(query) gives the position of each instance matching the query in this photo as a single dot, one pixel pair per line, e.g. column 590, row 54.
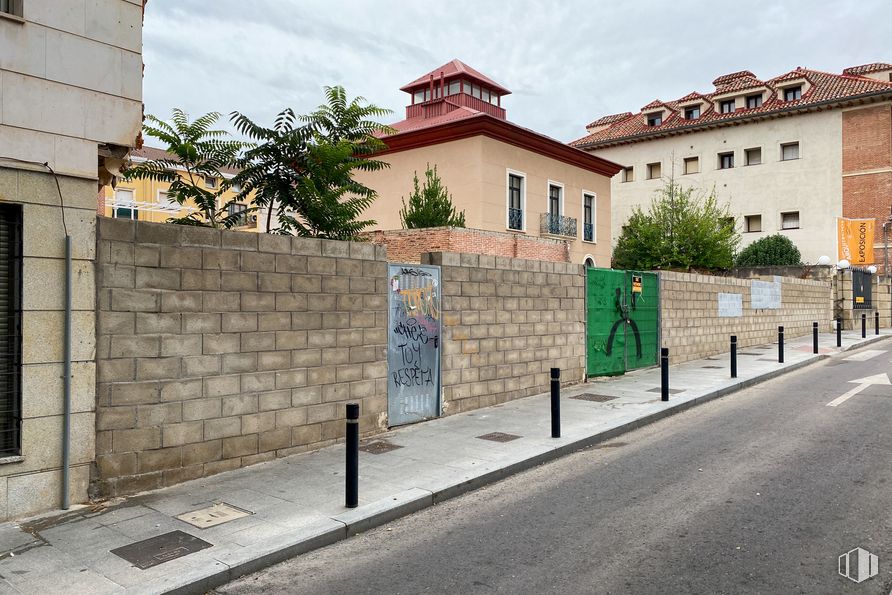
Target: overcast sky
column 567, row 62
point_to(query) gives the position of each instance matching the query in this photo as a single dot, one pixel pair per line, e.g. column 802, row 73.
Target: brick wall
column 506, row 322
column 867, row 162
column 210, row 350
column 692, row 329
column 407, row 245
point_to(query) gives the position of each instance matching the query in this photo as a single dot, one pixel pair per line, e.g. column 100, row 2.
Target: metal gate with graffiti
column 622, row 321
column 413, row 343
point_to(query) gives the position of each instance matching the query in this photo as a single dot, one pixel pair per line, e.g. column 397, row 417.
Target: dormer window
column 727, row 106
column 692, row 113
column 793, row 93
column 654, row 119
column 753, row 101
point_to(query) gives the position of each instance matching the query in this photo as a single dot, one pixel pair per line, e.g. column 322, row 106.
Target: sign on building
column 855, row 240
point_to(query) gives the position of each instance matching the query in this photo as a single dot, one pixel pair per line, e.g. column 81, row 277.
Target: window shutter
column 10, row 328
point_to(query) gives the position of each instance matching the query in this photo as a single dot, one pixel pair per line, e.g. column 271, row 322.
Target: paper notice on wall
column 766, row 295
column 730, row 305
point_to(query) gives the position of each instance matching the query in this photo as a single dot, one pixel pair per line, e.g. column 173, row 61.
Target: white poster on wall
column 766, row 295
column 730, row 305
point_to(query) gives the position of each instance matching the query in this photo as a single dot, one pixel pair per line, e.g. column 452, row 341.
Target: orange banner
column 855, row 237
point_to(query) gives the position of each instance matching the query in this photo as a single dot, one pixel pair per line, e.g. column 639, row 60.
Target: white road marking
column 863, row 356
column 862, row 383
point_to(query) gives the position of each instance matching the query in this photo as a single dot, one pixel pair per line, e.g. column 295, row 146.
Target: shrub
column 775, row 249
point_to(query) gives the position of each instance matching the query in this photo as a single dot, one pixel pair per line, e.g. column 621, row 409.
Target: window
column 554, row 199
column 790, row 220
column 125, row 206
column 235, row 187
column 238, row 210
column 789, row 151
column 475, row 91
column 692, row 165
column 10, row 328
column 692, row 113
column 515, row 202
column 628, row 174
column 753, row 223
column 485, row 96
column 588, row 217
column 793, row 93
column 653, row 171
column 167, row 203
column 726, row 107
column 753, row 156
column 13, row 7
column 726, row 160
column 753, row 101
column 210, row 182
column 418, row 97
column 466, row 87
column 727, row 222
column 654, row 120
column 454, row 88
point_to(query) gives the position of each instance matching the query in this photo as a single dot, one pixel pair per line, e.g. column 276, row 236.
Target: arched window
column 589, row 262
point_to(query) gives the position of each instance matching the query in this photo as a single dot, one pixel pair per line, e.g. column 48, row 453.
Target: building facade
column 505, row 178
column 71, row 96
column 789, row 154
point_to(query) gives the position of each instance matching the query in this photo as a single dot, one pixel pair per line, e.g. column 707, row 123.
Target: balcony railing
column 557, row 225
column 588, row 232
column 515, row 219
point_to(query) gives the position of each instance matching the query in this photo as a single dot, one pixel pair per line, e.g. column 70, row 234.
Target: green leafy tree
column 430, row 205
column 301, row 169
column 775, row 249
column 198, row 152
column 680, row 230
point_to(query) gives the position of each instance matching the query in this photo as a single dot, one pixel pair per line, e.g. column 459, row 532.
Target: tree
column 198, row 154
column 680, row 230
column 430, row 205
column 301, row 169
column 775, row 249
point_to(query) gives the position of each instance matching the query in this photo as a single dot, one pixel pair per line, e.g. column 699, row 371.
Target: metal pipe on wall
column 66, row 378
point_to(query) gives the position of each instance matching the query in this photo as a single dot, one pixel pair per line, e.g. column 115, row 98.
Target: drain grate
column 593, row 397
column 499, row 437
column 672, row 391
column 213, row 515
column 163, row 548
column 713, row 367
column 377, row 447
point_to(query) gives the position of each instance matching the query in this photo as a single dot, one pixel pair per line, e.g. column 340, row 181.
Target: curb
column 378, row 513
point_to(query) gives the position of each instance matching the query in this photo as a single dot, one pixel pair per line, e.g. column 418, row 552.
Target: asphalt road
column 757, row 492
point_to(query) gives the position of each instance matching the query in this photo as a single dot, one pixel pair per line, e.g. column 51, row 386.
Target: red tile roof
column 867, row 68
column 825, row 88
column 609, row 119
column 454, row 69
column 459, row 113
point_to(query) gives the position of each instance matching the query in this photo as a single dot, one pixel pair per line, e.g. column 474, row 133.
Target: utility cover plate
column 499, row 437
column 213, row 515
column 163, row 548
column 377, row 447
column 595, row 398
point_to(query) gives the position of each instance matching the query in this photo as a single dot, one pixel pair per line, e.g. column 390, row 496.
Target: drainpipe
column 66, row 378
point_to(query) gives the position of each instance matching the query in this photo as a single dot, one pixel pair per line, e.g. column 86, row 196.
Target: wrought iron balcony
column 557, row 225
column 515, row 219
column 588, row 232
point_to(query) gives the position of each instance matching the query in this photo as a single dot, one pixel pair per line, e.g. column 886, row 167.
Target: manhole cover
column 163, row 548
column 672, row 391
column 595, row 398
column 213, row 515
column 712, row 368
column 499, row 437
column 377, row 447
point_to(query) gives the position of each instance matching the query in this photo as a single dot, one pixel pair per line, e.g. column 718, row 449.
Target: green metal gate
column 622, row 321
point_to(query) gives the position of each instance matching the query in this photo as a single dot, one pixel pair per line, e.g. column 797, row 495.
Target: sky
column 567, row 62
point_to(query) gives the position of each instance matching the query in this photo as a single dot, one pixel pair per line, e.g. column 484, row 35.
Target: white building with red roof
column 789, row 154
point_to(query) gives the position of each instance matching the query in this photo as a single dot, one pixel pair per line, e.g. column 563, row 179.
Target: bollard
column 814, row 337
column 863, row 326
column 733, row 356
column 555, row 402
column 876, row 322
column 780, row 344
column 838, row 331
column 664, row 373
column 352, row 441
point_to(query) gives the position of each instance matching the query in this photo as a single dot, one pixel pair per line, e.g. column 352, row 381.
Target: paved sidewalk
column 297, row 502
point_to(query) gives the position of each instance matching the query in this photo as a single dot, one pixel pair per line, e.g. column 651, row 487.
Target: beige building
column 788, row 154
column 71, row 97
column 504, row 177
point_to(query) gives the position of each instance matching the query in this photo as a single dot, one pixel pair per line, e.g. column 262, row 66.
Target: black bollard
column 838, row 331
column 555, row 402
column 664, row 373
column 814, row 337
column 352, row 470
column 780, row 344
column 863, row 326
column 733, row 356
column 876, row 322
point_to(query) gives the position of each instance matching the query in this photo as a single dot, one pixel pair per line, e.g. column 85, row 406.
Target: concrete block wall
column 692, row 329
column 506, row 323
column 844, row 301
column 216, row 350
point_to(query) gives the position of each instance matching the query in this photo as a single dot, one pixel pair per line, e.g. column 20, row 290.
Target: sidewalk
column 296, row 503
